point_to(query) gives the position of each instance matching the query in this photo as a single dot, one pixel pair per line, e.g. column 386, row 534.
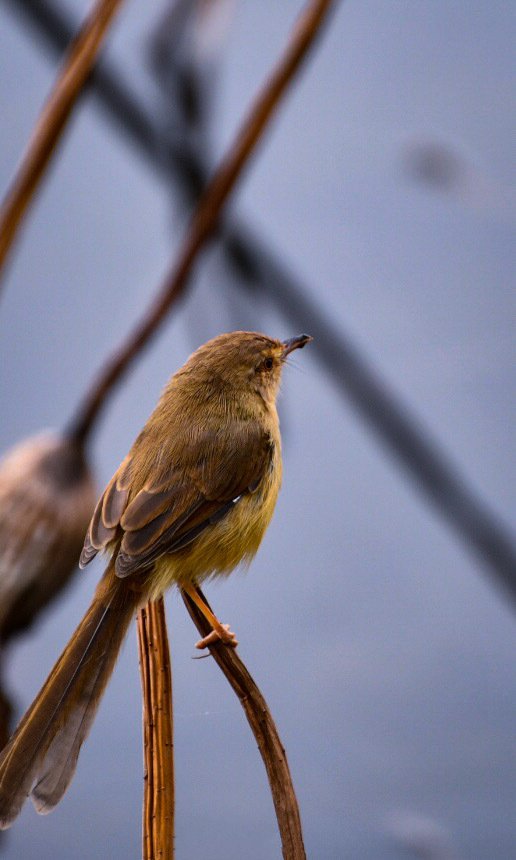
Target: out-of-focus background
column 384, row 646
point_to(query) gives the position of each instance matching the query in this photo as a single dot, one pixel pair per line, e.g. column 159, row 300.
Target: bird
column 191, row 501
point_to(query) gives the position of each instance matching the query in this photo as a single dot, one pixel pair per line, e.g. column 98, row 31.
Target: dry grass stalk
column 158, row 748
column 74, row 73
column 266, row 734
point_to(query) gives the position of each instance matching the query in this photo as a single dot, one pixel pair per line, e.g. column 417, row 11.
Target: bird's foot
column 222, row 633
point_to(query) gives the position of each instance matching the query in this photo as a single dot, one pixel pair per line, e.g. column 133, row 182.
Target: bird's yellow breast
column 231, row 541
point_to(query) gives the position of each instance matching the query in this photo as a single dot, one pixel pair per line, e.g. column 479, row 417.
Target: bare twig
column 205, row 216
column 158, row 747
column 57, row 26
column 257, row 267
column 77, row 66
column 266, row 734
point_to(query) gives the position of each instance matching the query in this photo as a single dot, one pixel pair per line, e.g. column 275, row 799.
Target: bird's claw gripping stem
column 219, row 634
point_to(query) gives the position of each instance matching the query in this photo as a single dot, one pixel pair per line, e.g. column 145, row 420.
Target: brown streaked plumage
column 191, row 500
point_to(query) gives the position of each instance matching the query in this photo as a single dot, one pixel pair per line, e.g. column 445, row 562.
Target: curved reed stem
column 51, row 123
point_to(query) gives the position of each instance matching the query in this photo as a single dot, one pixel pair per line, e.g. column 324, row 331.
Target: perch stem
column 158, row 746
column 266, row 734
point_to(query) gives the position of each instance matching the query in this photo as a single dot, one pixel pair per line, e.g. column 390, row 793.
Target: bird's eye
column 265, row 365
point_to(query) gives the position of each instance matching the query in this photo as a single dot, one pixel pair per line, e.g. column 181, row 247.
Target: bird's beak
column 295, row 343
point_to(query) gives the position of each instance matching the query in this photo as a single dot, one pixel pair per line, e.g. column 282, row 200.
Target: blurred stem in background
column 77, row 64
column 257, row 269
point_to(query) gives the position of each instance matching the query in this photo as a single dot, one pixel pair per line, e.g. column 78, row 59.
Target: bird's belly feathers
column 222, row 546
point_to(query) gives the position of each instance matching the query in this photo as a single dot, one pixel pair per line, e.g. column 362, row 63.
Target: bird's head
column 244, row 361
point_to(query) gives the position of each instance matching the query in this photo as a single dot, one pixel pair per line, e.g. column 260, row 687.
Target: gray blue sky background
column 382, row 647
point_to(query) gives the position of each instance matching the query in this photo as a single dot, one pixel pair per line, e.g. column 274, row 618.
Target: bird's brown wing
column 105, row 521
column 170, row 512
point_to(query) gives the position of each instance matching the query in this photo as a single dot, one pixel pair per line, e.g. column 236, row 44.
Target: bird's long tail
column 41, row 757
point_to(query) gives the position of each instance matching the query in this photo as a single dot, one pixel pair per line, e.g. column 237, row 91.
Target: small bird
column 192, row 500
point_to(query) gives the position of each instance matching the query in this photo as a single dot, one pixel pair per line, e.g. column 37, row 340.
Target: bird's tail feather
column 41, row 757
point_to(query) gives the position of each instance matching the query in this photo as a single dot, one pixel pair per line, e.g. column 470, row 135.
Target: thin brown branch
column 74, row 73
column 266, row 734
column 206, row 215
column 158, row 748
